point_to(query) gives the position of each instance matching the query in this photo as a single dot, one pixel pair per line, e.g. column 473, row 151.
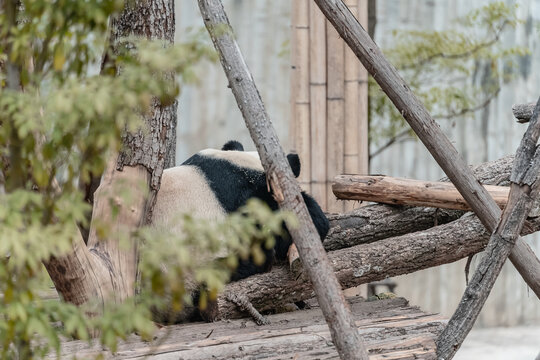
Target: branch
column 524, row 189
column 370, row 262
column 376, row 222
column 285, row 188
column 427, row 130
column 523, row 112
column 401, row 191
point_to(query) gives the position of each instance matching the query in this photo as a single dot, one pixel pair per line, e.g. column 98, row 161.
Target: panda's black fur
column 233, row 185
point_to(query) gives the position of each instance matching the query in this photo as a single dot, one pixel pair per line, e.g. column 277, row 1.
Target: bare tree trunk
column 285, row 188
column 523, row 191
column 428, row 131
column 105, row 270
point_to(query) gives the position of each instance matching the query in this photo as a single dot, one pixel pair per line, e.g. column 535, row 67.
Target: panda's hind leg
column 248, row 267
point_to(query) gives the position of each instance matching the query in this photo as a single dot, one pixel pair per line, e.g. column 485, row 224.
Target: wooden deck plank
column 392, row 329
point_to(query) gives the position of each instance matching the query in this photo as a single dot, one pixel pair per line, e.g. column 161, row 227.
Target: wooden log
column 394, row 330
column 400, row 191
column 428, row 131
column 317, row 87
column 300, row 136
column 523, row 190
column 376, row 222
column 281, row 180
column 523, row 112
column 362, row 264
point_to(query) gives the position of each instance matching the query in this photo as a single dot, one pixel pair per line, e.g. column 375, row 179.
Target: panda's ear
column 232, row 145
column 294, row 162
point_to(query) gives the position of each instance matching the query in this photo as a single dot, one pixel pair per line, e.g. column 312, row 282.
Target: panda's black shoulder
column 232, row 184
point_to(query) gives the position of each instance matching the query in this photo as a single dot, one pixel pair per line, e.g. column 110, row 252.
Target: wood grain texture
column 400, row 191
column 523, row 190
column 281, row 180
column 365, row 263
column 425, row 128
column 394, row 329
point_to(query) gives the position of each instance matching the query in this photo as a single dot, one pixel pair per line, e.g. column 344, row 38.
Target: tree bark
column 400, row 191
column 106, row 271
column 524, row 190
column 376, row 222
column 523, row 112
column 362, row 264
column 427, row 130
column 285, row 188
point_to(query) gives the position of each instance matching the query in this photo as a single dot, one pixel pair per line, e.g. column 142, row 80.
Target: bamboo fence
column 329, row 123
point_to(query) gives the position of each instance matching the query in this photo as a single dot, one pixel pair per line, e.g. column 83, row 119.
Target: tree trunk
column 105, row 270
column 406, row 333
column 284, row 186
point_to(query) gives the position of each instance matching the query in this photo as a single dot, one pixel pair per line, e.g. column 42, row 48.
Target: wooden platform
column 391, row 329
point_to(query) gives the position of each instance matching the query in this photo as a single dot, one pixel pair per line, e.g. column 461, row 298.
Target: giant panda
column 213, row 183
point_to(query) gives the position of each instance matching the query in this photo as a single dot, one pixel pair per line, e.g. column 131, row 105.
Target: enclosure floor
column 509, row 343
column 391, row 329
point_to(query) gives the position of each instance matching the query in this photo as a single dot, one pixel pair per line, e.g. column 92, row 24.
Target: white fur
column 247, row 159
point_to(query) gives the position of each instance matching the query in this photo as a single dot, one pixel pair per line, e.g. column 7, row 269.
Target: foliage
column 58, row 122
column 437, row 65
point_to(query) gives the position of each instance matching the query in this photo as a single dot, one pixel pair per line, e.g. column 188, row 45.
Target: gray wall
column 208, row 117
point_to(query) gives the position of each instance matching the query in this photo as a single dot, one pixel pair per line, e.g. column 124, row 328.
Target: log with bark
column 370, row 262
column 392, row 328
column 401, row 191
column 376, row 222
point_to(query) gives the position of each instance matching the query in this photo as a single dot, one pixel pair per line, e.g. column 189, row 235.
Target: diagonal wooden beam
column 286, row 190
column 525, row 181
column 428, row 131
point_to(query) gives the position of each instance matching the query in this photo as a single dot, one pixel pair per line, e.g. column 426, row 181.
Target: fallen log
column 523, row 112
column 401, row 191
column 369, row 262
column 375, row 222
column 392, row 329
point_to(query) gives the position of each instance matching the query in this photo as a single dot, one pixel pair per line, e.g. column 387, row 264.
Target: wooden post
column 428, row 131
column 524, row 188
column 317, row 75
column 398, row 191
column 301, row 124
column 344, row 333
